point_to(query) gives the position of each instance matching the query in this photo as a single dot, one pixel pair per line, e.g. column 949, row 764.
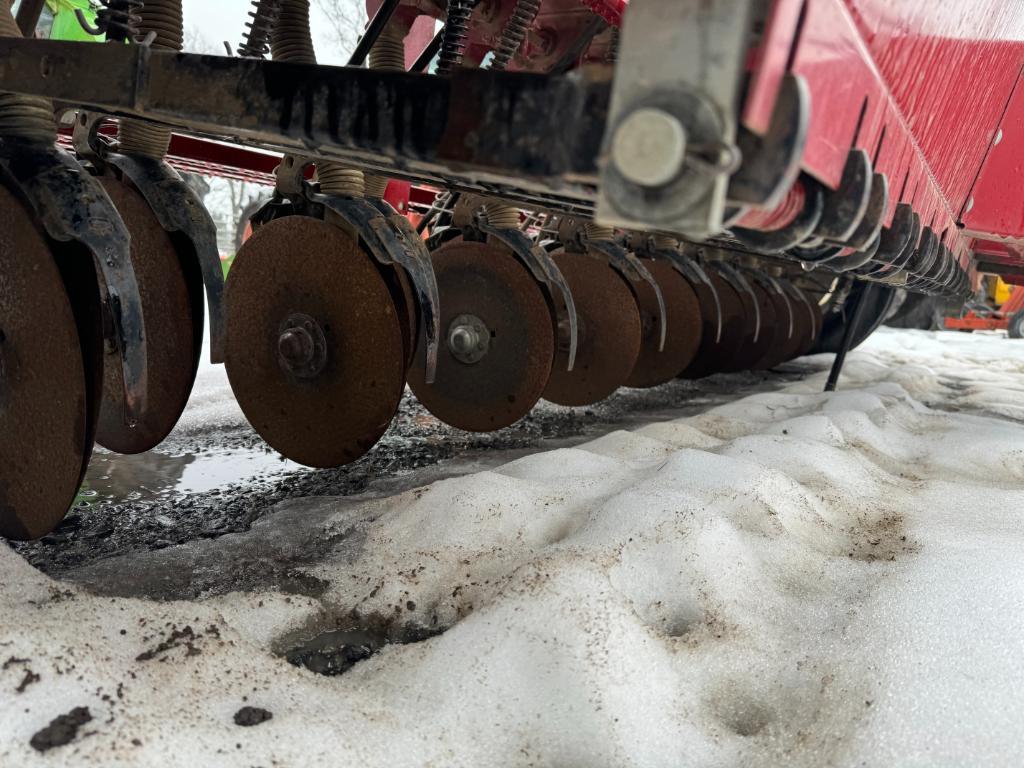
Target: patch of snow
column 793, row 577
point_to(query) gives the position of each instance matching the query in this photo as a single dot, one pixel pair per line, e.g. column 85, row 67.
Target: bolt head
column 649, row 147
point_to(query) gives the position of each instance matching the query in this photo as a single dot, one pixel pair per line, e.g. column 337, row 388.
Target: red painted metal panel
column 996, row 207
column 770, row 62
column 950, row 66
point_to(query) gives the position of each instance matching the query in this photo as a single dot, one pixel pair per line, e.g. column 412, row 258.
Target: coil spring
column 665, row 243
column 612, row 55
column 119, row 19
column 512, row 36
column 292, row 40
column 259, row 28
column 387, row 55
column 502, row 216
column 456, row 32
column 23, row 116
column 598, row 231
column 163, row 20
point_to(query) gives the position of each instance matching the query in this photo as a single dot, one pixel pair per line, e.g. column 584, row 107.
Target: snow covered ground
column 792, row 578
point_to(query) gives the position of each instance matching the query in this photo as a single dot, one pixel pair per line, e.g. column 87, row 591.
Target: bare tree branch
column 345, row 22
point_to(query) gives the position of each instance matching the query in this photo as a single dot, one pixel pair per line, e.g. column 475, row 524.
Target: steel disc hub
column 500, row 339
column 173, row 344
column 314, row 346
column 43, row 394
column 654, row 366
column 610, row 331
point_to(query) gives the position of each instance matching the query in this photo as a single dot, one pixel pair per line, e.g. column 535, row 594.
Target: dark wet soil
column 336, row 651
column 247, row 717
column 143, row 516
column 62, row 730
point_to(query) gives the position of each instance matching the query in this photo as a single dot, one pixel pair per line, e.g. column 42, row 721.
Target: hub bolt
column 469, row 340
column 301, row 346
column 649, row 147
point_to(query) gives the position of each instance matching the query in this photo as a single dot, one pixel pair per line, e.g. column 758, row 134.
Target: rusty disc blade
column 43, row 397
column 784, row 330
column 516, row 330
column 815, row 323
column 759, row 334
column 171, row 343
column 802, row 326
column 654, row 367
column 717, row 350
column 333, row 410
column 609, row 333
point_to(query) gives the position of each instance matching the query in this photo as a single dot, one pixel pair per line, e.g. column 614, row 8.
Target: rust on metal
column 303, row 266
column 43, row 401
column 755, row 346
column 715, row 354
column 170, row 337
column 487, row 282
column 685, row 327
column 610, row 333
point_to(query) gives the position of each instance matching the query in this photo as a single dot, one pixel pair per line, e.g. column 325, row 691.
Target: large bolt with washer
column 649, row 147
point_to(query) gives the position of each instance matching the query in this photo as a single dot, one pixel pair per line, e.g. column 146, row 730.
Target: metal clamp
column 391, row 240
column 72, row 206
column 631, row 268
column 544, row 270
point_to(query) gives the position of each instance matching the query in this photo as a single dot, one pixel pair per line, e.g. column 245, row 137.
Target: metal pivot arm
column 178, row 209
column 477, row 128
column 72, row 206
column 544, row 270
column 630, row 267
column 391, row 242
column 733, row 276
column 694, row 273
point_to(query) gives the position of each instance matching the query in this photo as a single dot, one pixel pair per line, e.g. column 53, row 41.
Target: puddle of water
column 113, row 478
column 336, row 651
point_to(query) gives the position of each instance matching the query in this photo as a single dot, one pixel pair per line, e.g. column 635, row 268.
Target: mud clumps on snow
column 335, row 651
column 247, row 717
column 61, row 731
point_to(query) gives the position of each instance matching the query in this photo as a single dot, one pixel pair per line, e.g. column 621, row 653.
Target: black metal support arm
column 535, row 137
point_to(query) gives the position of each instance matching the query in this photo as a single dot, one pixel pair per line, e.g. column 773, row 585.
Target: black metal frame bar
column 530, row 138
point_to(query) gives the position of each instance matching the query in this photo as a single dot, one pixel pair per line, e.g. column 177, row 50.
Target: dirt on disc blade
column 654, row 367
column 170, row 336
column 43, row 418
column 609, row 333
column 716, row 351
column 488, row 282
column 303, row 265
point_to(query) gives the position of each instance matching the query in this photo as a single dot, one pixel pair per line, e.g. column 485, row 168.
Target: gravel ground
column 147, row 502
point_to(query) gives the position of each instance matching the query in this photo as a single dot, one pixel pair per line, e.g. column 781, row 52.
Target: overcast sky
column 219, row 20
